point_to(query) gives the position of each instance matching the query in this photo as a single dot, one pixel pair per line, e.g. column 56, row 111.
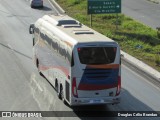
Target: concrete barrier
column 57, row 7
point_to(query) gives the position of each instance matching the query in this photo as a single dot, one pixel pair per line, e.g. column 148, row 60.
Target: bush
column 157, row 59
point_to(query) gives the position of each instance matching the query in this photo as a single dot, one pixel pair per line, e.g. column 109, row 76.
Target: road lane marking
column 45, row 99
column 33, row 80
column 10, row 47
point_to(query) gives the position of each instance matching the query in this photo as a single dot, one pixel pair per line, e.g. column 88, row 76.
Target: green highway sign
column 104, row 6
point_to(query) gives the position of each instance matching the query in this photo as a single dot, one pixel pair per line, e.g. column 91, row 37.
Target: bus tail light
column 118, row 86
column 115, row 50
column 74, row 88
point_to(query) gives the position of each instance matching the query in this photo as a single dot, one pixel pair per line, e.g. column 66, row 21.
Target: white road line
column 10, row 47
column 33, row 79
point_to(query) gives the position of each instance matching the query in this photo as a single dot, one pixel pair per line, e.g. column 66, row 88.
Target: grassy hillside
column 134, row 38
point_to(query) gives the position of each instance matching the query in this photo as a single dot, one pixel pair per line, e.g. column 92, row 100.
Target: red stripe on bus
column 64, row 70
column 104, row 66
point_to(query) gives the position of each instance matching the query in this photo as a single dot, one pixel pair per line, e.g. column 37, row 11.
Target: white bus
column 82, row 65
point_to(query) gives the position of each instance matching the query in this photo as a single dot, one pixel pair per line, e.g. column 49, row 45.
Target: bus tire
column 63, row 99
column 32, row 6
column 61, row 94
column 37, row 63
column 33, row 42
column 56, row 85
column 58, row 91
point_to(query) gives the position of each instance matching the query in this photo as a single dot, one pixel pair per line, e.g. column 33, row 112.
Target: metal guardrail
column 57, row 7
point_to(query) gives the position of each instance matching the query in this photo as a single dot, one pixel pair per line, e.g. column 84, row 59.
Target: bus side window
column 54, row 45
column 36, row 35
column 48, row 40
column 62, row 51
column 42, row 36
column 72, row 60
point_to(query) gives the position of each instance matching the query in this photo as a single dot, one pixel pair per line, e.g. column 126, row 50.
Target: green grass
column 134, row 38
column 154, row 1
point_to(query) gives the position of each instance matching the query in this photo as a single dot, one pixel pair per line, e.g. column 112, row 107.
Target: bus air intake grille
column 97, row 74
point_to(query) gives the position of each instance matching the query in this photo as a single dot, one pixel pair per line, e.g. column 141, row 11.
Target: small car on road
column 36, row 3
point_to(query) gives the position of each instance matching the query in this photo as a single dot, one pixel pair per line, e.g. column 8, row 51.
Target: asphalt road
column 144, row 11
column 21, row 87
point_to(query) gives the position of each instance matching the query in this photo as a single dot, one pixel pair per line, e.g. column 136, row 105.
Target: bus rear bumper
column 95, row 101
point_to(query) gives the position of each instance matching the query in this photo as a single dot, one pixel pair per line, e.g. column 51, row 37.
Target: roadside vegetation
column 154, row 1
column 134, row 38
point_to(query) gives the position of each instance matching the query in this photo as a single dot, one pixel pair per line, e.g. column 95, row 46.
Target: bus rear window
column 97, row 55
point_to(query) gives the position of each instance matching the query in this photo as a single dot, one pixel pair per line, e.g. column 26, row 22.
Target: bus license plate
column 96, row 101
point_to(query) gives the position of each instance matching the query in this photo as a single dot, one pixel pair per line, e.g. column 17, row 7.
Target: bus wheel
column 38, row 68
column 62, row 94
column 56, row 85
column 59, row 92
column 33, row 42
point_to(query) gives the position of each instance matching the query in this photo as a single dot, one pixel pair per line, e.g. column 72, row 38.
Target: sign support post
column 116, row 22
column 90, row 20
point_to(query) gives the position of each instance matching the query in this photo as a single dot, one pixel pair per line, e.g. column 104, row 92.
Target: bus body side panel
column 54, row 61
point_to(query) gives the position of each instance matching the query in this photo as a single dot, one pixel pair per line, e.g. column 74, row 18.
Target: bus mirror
column 31, row 29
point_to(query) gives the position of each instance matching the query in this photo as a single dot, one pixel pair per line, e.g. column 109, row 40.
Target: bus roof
column 74, row 29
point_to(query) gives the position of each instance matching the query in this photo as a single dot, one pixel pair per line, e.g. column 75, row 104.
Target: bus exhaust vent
column 67, row 22
column 77, row 32
column 72, row 25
